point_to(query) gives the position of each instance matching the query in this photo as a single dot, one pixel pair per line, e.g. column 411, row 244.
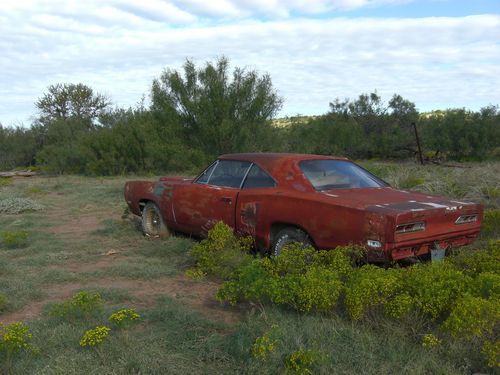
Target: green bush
column 14, row 338
column 222, row 252
column 371, row 286
column 81, row 305
column 14, row 239
column 461, row 295
column 302, row 361
column 478, row 261
column 491, row 222
column 3, row 302
column 265, row 344
column 5, row 181
column 473, row 317
column 435, row 287
column 300, row 277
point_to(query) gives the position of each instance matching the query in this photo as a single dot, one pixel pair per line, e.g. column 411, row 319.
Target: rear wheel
column 287, row 236
column 152, row 222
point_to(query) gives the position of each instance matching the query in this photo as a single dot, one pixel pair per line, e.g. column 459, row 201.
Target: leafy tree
column 68, row 100
column 216, row 111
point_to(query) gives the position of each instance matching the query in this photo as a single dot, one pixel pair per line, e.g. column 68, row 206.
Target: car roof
column 270, row 160
column 282, row 166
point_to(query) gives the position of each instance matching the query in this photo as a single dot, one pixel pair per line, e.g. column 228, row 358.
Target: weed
column 14, row 239
column 81, row 305
column 5, row 181
column 491, row 351
column 18, row 205
column 3, row 302
column 473, row 317
column 430, row 340
column 14, row 338
column 265, row 344
column 491, row 222
column 222, row 252
column 124, row 317
column 301, row 361
column 95, row 337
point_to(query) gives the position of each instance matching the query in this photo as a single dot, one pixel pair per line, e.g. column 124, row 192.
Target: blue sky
column 437, row 53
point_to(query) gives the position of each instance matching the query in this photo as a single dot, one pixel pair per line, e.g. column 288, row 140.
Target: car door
column 210, row 198
column 256, row 203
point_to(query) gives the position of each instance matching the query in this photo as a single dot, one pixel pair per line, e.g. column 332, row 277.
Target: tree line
column 200, row 112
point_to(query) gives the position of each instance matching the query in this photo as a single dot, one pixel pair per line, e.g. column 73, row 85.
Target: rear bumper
column 409, row 249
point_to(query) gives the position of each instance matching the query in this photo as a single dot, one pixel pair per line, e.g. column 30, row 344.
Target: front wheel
column 152, row 222
column 287, row 236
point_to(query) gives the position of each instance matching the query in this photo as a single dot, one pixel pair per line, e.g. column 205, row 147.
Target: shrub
column 195, row 273
column 487, row 285
column 83, row 304
column 14, row 338
column 124, row 317
column 14, row 239
column 371, row 286
column 478, row 261
column 301, row 361
column 297, row 259
column 473, row 317
column 250, row 281
column 317, row 289
column 298, row 278
column 95, row 337
column 491, row 222
column 5, row 181
column 435, row 287
column 222, row 252
column 3, row 301
column 18, row 205
column 265, row 344
column 429, row 340
column 491, row 352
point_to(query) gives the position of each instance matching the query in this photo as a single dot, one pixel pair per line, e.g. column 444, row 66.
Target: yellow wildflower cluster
column 301, row 361
column 15, row 337
column 95, row 337
column 429, row 341
column 265, row 344
column 124, row 317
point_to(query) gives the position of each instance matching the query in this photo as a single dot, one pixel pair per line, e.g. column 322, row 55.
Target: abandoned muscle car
column 319, row 200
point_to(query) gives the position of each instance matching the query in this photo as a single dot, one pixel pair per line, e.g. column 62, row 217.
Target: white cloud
column 435, row 62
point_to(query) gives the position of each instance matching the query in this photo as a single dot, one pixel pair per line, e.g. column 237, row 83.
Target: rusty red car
column 320, row 200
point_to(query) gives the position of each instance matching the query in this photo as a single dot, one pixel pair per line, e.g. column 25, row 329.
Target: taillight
column 466, row 219
column 410, row 227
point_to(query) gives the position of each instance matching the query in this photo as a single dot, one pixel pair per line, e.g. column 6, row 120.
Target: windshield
column 338, row 174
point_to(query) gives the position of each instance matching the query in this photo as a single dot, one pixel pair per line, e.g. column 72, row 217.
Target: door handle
column 227, row 200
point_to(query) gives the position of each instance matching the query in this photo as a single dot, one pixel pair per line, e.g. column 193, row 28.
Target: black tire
column 287, row 236
column 152, row 222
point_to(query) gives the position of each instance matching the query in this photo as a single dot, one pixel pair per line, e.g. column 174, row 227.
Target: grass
column 183, row 330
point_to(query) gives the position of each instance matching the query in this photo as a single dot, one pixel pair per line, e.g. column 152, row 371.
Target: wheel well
column 277, row 227
column 143, row 202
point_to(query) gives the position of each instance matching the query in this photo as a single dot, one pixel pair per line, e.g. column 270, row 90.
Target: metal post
column 418, row 144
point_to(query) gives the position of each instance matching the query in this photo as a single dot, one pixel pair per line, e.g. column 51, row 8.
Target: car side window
column 203, row 179
column 257, row 178
column 229, row 173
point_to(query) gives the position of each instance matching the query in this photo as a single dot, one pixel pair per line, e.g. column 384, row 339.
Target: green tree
column 67, row 114
column 68, row 100
column 214, row 110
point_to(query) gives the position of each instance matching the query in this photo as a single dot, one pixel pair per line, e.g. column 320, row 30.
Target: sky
column 436, row 53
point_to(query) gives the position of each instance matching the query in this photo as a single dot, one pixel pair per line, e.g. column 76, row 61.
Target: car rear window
column 338, row 174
